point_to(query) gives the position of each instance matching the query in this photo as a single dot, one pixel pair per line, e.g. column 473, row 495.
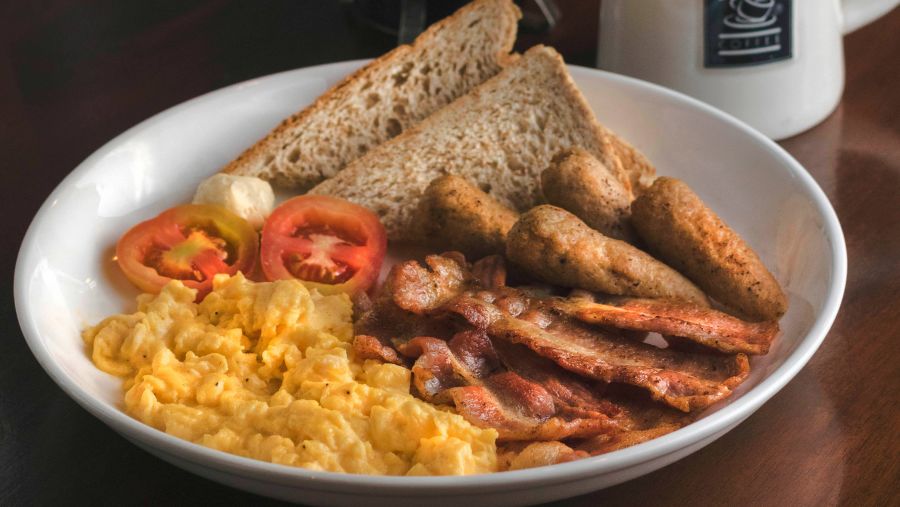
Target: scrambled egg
column 264, row 370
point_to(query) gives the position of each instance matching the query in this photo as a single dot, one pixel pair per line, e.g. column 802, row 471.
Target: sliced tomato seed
column 208, row 263
column 320, row 274
column 334, row 245
column 325, row 230
column 211, row 256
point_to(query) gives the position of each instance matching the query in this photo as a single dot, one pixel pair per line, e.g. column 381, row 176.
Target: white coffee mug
column 776, row 64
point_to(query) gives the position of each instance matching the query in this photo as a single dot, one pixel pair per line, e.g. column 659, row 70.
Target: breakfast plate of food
column 453, row 273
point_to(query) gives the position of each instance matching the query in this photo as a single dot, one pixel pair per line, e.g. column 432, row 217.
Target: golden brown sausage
column 455, row 214
column 582, row 185
column 679, row 228
column 555, row 246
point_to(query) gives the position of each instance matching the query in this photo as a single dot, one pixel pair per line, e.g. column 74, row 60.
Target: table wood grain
column 74, row 73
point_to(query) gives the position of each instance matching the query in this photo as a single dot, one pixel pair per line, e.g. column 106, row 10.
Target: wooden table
column 76, row 73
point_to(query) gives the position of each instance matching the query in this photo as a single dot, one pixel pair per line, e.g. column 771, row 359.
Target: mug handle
column 858, row 13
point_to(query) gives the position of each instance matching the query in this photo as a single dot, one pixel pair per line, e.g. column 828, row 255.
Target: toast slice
column 386, row 97
column 499, row 137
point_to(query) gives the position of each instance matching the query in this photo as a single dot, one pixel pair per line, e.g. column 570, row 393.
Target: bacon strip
column 638, row 417
column 370, row 347
column 390, row 324
column 682, row 380
column 643, row 419
column 686, row 381
column 439, row 367
column 490, row 271
column 571, row 394
column 419, row 290
column 602, row 444
column 521, row 410
column 466, row 372
column 701, row 325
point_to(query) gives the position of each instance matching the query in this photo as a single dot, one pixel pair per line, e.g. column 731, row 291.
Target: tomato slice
column 329, row 243
column 191, row 243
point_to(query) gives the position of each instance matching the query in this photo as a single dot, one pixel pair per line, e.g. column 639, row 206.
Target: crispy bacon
column 467, row 373
column 637, row 418
column 370, row 347
column 684, row 380
column 419, row 290
column 521, row 410
column 490, row 271
column 362, row 304
column 391, row 324
column 701, row 325
column 642, row 419
column 687, row 381
column 571, row 394
column 439, row 367
column 602, row 444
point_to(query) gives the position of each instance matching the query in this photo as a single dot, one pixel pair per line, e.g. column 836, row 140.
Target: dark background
column 73, row 74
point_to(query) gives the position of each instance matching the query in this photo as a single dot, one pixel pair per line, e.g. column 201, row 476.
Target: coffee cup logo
column 753, row 11
column 747, row 32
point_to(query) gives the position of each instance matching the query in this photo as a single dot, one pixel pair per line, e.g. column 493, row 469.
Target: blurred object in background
column 776, row 64
column 408, row 18
column 568, row 25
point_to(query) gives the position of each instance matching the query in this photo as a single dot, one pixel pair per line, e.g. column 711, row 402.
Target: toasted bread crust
column 269, row 143
column 279, row 156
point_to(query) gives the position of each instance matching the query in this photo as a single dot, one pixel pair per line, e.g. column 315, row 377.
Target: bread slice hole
column 401, row 76
column 393, row 127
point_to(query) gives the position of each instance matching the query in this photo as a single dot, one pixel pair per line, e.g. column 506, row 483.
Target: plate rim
column 722, row 420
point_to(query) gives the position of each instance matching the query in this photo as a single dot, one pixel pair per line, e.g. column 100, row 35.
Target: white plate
column 65, row 277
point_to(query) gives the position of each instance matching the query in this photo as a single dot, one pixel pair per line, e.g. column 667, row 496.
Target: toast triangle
column 386, row 97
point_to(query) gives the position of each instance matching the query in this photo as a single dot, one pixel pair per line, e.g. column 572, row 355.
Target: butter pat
column 246, row 196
